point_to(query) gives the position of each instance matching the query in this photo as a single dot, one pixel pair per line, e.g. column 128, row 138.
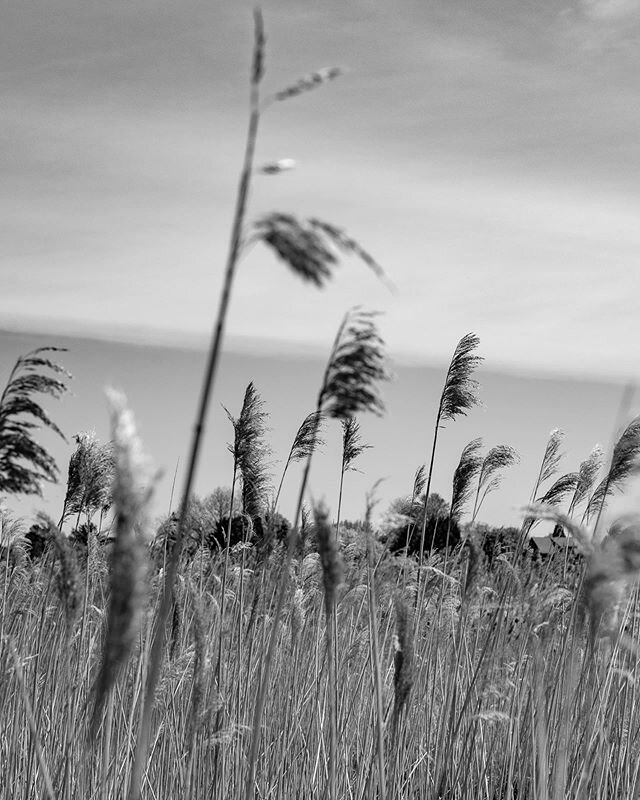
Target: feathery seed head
column 403, row 676
column 419, row 481
column 308, row 438
column 466, row 471
column 250, row 451
column 310, row 247
column 552, row 455
column 351, row 443
column 329, row 556
column 460, row 391
column 356, row 368
column 133, row 485
column 560, row 489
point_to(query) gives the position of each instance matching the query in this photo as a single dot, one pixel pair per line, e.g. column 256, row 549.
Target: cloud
column 610, row 9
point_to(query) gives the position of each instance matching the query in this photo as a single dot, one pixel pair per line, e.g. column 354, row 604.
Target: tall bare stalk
column 459, row 394
column 164, row 609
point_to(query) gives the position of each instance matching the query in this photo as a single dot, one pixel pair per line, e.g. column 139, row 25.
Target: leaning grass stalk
column 157, row 645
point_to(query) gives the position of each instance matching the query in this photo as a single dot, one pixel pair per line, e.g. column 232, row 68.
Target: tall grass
column 507, row 694
column 301, row 671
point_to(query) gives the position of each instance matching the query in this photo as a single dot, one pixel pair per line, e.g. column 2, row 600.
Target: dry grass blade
column 356, row 368
column 133, row 484
column 25, row 464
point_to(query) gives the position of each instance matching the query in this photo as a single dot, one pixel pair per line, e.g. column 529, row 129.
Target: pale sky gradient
column 485, row 152
column 162, row 385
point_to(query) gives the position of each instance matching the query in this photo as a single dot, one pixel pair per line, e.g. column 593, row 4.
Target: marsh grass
column 301, row 670
column 502, row 691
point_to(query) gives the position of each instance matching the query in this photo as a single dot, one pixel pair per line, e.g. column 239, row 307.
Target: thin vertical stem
column 157, row 644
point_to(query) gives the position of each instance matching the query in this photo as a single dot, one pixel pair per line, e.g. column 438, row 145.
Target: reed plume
column 352, row 446
column 132, row 488
column 90, row 477
column 355, row 369
column 419, row 482
column 459, row 395
column 250, row 451
column 306, row 441
column 587, row 474
column 24, row 464
column 350, row 385
column 625, row 460
column 550, row 460
column 498, row 458
column 468, row 467
column 560, row 489
column 310, row 247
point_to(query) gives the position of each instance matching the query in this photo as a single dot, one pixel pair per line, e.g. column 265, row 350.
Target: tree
column 432, row 517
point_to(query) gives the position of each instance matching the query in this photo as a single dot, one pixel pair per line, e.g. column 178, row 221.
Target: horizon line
column 146, row 336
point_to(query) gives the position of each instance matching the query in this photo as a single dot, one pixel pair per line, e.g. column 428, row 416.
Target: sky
column 484, row 152
column 162, row 384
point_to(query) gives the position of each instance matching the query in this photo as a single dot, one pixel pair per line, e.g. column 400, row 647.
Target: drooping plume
column 306, row 441
column 560, row 489
column 625, row 460
column 310, row 247
column 587, row 474
column 355, row 370
column 466, row 472
column 90, row 476
column 552, row 457
column 308, row 438
column 498, row 458
column 25, row 464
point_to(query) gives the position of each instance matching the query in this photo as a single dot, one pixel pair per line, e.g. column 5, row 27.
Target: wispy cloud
column 610, row 9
